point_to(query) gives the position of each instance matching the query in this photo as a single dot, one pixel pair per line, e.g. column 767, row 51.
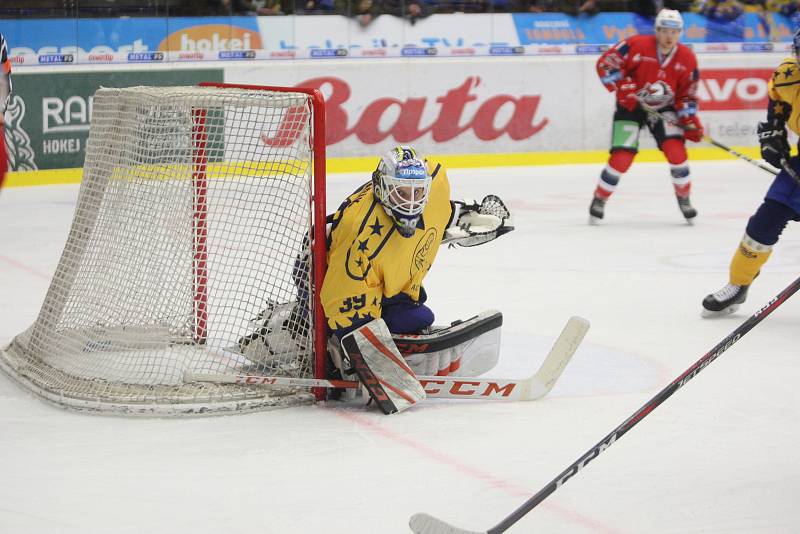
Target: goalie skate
column 280, row 336
column 725, row 301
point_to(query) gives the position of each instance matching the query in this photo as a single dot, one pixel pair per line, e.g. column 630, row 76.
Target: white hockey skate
column 725, row 301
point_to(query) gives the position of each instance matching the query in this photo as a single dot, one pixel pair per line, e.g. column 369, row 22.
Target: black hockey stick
column 427, row 524
column 726, row 148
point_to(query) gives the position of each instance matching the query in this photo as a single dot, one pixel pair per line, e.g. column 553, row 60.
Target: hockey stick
column 707, row 139
column 445, row 387
column 422, row 523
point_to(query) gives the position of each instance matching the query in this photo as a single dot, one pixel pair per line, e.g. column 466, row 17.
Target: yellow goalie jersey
column 369, row 260
column 784, row 94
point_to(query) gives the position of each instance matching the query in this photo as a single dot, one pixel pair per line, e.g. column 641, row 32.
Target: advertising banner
column 455, row 106
column 441, row 106
column 138, row 40
column 48, row 118
column 501, row 105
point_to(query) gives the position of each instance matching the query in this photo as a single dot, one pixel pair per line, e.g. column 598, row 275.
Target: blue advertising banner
column 609, row 28
column 137, row 40
column 99, row 36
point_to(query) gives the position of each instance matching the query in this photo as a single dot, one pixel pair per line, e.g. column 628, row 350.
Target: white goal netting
column 188, row 252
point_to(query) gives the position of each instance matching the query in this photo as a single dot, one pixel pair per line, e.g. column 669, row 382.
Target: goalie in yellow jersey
column 383, row 240
column 381, row 243
column 782, row 201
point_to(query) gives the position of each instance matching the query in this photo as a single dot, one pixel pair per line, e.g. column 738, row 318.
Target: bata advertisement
column 441, row 106
column 453, row 106
column 49, row 116
column 495, row 105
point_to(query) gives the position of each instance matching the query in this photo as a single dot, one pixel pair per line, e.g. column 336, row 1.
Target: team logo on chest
column 372, row 237
column 422, row 254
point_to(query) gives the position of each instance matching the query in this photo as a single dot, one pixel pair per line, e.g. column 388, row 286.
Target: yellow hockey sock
column 748, row 260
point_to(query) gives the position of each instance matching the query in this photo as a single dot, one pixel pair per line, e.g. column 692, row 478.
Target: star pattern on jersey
column 777, row 109
column 376, row 228
column 363, row 246
column 788, row 72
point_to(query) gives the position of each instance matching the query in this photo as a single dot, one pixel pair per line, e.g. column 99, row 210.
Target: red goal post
column 318, row 200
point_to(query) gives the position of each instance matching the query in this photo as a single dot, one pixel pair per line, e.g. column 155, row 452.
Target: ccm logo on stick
column 468, row 389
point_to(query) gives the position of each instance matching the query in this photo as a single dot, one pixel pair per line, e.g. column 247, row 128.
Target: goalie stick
column 423, row 523
column 446, row 387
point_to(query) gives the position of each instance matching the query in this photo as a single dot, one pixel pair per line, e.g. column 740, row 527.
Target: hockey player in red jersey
column 659, row 73
column 5, row 93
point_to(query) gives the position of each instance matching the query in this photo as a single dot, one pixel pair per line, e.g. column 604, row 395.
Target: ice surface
column 718, row 457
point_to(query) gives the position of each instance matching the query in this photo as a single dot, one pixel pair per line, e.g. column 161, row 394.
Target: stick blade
column 559, row 356
column 423, row 523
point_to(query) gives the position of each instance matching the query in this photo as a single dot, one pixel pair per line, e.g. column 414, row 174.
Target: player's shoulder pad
column 787, row 73
column 352, row 210
column 640, row 43
column 639, row 39
column 435, row 168
column 686, row 56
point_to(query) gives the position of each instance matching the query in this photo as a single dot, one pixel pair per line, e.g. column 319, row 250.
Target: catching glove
column 475, row 224
column 773, row 141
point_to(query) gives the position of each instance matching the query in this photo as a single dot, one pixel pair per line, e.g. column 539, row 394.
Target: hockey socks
column 619, row 162
column 748, row 260
column 681, row 180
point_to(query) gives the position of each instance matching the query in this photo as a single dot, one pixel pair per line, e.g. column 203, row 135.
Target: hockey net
column 192, row 249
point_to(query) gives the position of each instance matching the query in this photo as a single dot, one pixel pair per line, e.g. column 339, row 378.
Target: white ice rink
column 720, row 456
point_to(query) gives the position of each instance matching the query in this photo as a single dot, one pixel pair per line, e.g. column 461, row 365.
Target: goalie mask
column 401, row 184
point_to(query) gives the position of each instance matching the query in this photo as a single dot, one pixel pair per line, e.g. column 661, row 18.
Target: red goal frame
column 318, row 209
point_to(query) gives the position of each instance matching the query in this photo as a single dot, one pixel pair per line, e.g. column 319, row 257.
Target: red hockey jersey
column 637, row 58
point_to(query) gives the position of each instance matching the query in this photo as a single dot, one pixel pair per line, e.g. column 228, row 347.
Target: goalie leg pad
column 381, row 369
column 465, row 348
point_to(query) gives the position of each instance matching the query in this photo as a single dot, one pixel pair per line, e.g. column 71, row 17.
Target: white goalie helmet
column 669, row 18
column 402, row 184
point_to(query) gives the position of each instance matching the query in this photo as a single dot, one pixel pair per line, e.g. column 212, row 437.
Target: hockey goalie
column 381, row 243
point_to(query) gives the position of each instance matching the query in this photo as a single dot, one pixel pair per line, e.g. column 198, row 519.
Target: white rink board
column 462, row 106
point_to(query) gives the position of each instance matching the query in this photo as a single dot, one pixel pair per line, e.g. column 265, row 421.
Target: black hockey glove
column 774, row 144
